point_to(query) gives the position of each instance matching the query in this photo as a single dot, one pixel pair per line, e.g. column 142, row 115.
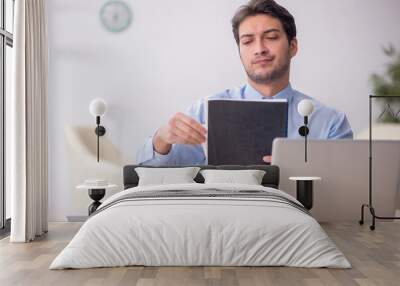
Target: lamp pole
column 98, row 137
column 305, row 137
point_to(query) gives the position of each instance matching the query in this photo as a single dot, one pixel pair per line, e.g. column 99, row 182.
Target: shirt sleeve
column 180, row 154
column 148, row 156
column 340, row 129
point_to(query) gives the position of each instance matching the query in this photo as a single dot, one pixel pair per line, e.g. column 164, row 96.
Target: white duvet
column 202, row 232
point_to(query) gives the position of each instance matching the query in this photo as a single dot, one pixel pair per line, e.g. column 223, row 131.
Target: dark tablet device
column 240, row 132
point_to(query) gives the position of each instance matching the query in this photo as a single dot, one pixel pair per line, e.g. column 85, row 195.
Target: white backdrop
column 177, row 51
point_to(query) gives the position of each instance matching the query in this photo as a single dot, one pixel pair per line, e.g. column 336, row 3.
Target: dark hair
column 266, row 7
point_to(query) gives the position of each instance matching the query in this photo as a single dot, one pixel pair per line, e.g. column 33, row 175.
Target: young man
column 266, row 36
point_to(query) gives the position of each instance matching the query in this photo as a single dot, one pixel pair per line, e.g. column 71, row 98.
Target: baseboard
column 4, row 232
column 76, row 218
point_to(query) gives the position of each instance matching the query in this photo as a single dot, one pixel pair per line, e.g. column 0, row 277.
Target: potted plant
column 387, row 115
column 389, row 85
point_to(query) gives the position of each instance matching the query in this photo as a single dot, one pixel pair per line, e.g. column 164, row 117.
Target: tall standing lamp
column 305, row 108
column 369, row 205
column 97, row 108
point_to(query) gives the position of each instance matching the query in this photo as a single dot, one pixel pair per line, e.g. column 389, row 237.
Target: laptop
column 343, row 166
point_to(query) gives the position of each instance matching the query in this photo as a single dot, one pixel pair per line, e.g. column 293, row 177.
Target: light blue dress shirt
column 324, row 123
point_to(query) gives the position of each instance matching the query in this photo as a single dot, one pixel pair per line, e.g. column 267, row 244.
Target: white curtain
column 27, row 123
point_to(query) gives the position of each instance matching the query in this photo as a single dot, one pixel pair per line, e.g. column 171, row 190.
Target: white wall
column 177, row 51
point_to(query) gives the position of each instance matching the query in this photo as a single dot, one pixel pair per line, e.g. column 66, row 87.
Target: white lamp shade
column 305, row 107
column 97, row 107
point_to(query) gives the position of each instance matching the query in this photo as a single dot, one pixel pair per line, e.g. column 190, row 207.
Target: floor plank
column 375, row 257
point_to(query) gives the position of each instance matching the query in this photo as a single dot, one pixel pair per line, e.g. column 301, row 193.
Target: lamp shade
column 97, row 107
column 305, row 107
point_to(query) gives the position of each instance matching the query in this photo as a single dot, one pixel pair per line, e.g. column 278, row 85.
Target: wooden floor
column 375, row 257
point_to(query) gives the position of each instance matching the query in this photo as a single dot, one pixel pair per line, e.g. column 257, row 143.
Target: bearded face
column 264, row 49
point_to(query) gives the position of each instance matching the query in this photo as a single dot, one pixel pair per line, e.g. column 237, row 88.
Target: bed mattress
column 201, row 225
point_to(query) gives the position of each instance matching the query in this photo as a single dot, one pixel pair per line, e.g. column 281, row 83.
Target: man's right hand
column 181, row 129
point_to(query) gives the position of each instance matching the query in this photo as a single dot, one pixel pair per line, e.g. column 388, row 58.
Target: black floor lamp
column 369, row 205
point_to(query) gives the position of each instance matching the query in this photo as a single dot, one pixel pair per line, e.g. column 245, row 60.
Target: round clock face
column 116, row 16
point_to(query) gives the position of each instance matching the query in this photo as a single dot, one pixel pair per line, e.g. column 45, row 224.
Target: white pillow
column 248, row 177
column 164, row 176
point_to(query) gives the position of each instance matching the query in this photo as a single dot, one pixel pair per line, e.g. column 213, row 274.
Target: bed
column 201, row 224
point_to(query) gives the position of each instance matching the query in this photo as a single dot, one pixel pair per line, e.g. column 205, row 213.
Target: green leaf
column 388, row 84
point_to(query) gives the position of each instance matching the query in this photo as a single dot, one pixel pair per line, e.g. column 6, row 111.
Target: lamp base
column 100, row 130
column 374, row 216
column 96, row 195
column 304, row 193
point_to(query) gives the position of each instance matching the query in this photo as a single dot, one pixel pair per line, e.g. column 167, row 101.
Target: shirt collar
column 251, row 93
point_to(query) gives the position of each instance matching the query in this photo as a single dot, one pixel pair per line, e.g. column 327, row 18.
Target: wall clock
column 115, row 16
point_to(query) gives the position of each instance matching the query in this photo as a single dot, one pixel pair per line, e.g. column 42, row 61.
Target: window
column 6, row 44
